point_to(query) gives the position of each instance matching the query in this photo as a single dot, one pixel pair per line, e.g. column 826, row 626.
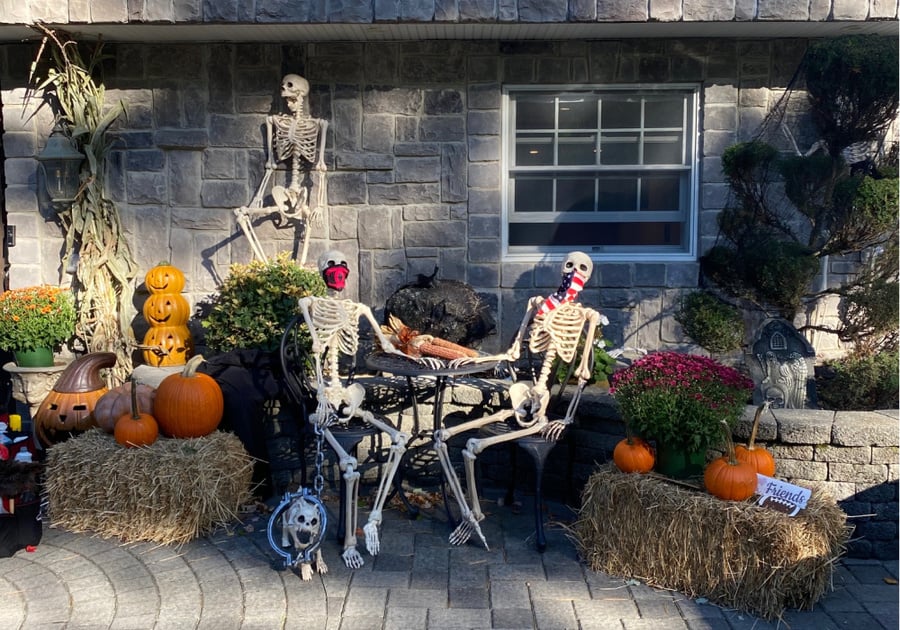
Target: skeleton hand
column 431, row 363
column 555, row 429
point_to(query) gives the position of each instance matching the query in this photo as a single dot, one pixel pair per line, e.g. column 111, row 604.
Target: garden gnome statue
column 300, row 139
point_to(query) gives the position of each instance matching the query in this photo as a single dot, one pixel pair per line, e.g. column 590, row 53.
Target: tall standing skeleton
column 334, row 328
column 299, row 138
column 554, row 326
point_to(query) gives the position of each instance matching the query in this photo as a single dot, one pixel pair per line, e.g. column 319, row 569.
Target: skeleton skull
column 334, row 268
column 300, row 524
column 295, row 89
column 580, row 263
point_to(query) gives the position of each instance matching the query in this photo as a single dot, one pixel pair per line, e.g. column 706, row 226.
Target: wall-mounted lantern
column 61, row 164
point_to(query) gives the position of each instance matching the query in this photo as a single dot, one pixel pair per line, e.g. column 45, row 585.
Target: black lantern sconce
column 60, row 164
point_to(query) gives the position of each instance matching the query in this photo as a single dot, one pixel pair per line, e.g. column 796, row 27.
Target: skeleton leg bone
column 347, row 465
column 468, row 523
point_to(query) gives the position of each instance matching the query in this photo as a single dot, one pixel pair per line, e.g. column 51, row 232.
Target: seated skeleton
column 334, row 327
column 551, row 327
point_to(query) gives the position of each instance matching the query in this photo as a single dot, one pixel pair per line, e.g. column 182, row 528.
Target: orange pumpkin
column 633, row 455
column 175, row 342
column 69, row 407
column 726, row 477
column 117, row 402
column 166, row 309
column 189, row 404
column 757, row 456
column 136, row 428
column 164, row 278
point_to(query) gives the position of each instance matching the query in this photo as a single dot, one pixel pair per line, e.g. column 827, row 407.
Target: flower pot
column 40, row 357
column 679, row 463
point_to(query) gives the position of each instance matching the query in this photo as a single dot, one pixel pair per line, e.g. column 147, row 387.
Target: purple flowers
column 680, row 398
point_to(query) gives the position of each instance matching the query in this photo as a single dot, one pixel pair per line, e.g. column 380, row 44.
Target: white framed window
column 609, row 170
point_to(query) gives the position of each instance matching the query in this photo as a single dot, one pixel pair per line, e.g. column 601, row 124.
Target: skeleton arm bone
column 513, row 353
column 323, row 129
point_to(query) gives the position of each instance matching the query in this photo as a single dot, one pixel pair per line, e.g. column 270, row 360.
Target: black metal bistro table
column 422, row 439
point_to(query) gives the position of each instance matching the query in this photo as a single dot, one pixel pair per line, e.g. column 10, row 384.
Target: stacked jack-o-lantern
column 185, row 404
column 169, row 339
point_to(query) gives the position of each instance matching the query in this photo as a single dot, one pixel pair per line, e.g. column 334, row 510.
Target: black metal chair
column 536, row 446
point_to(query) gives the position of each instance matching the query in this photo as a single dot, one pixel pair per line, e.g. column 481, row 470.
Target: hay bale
column 736, row 554
column 169, row 492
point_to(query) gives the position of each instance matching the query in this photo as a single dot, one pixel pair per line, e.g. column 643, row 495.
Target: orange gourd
column 136, row 428
column 633, row 455
column 167, row 311
column 757, row 456
column 117, row 402
column 189, row 404
column 726, row 477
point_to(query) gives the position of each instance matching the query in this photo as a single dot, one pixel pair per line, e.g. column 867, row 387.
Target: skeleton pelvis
column 529, row 405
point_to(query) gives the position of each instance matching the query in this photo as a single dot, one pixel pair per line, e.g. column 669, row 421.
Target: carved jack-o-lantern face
column 64, row 412
column 176, row 341
column 164, row 279
column 166, row 309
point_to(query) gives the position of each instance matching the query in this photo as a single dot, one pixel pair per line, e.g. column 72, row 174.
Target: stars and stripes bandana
column 572, row 284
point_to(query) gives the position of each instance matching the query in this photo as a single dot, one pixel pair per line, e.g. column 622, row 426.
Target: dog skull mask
column 301, row 522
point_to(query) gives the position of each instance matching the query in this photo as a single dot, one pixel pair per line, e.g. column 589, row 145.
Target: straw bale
column 735, row 554
column 169, row 492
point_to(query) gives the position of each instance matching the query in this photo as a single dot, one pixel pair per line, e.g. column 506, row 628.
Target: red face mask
column 336, row 277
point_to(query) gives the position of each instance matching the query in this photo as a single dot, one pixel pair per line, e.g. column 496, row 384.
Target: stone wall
column 414, row 155
column 851, row 455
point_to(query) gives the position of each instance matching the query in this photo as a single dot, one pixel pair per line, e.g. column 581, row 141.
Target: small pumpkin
column 164, row 278
column 117, row 402
column 189, row 404
column 726, row 477
column 633, row 455
column 757, row 456
column 136, row 428
column 69, row 407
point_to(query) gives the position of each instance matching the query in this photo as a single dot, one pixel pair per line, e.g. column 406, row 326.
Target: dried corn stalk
column 105, row 269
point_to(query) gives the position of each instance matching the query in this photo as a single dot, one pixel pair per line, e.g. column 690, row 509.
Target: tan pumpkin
column 189, row 404
column 117, row 402
column 69, row 407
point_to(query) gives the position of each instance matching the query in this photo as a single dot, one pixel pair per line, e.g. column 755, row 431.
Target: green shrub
column 710, row 322
column 256, row 302
column 861, row 383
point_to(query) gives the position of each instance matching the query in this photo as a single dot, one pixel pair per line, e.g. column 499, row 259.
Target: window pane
column 535, row 112
column 662, row 147
column 620, row 113
column 617, row 194
column 586, row 235
column 534, row 150
column 619, row 148
column 575, row 195
column 577, row 149
column 661, row 193
column 578, row 112
column 534, row 194
column 664, row 112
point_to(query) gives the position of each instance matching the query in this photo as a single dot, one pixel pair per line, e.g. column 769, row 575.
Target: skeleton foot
column 464, row 531
column 352, row 558
column 372, row 542
column 306, row 571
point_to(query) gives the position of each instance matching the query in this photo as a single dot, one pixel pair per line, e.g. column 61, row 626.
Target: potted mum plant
column 680, row 400
column 34, row 321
